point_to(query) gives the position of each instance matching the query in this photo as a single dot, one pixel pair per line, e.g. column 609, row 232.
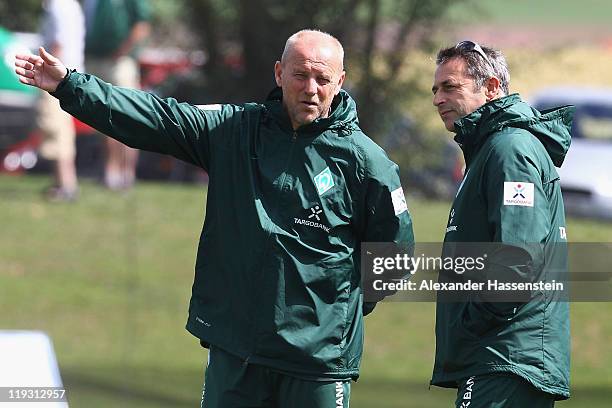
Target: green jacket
column 111, row 23
column 510, row 195
column 277, row 275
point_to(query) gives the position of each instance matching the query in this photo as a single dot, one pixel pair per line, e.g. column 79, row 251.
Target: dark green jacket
column 111, row 23
column 277, row 276
column 510, row 195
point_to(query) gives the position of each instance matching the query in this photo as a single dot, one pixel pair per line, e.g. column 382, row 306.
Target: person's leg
column 229, row 382
column 126, row 73
column 120, row 166
column 58, row 145
column 65, row 168
column 113, row 167
column 66, row 174
column 130, row 160
column 104, row 68
column 293, row 392
column 66, row 180
column 120, row 160
column 500, row 391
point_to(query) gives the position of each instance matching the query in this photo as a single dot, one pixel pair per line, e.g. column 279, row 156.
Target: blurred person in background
column 515, row 353
column 67, row 42
column 295, row 187
column 115, row 30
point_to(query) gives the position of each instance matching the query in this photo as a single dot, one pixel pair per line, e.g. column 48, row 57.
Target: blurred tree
column 244, row 37
column 384, row 41
column 20, row 15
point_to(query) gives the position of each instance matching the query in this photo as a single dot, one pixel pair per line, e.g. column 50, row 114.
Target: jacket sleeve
column 514, row 188
column 144, row 121
column 387, row 218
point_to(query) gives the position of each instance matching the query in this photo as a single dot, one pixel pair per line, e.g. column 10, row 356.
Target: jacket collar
column 343, row 115
column 551, row 127
column 473, row 129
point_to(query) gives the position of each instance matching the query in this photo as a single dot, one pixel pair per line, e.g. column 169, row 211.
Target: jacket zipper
column 289, row 157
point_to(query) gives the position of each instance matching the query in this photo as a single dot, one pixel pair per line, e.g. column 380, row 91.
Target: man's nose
column 437, row 99
column 311, row 86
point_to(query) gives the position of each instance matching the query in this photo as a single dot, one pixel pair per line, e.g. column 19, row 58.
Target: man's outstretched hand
column 43, row 71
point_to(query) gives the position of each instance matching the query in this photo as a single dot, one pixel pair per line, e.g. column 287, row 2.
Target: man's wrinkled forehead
column 452, row 70
column 321, row 59
column 316, row 48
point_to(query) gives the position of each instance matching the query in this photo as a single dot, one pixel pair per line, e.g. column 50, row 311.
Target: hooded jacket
column 277, row 275
column 510, row 195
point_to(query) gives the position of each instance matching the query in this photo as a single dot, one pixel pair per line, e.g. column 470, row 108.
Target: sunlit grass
column 109, row 278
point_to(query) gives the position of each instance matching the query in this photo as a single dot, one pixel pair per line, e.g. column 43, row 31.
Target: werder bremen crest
column 324, row 181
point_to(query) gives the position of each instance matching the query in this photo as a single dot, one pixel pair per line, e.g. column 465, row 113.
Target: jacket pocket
column 483, row 319
column 315, row 310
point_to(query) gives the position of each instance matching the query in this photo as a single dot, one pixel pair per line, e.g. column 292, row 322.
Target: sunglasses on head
column 471, row 46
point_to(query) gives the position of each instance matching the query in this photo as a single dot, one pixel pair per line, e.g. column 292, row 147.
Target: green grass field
column 109, row 278
column 541, row 12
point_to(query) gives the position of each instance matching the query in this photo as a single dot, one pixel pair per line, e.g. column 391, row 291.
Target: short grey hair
column 479, row 68
column 295, row 37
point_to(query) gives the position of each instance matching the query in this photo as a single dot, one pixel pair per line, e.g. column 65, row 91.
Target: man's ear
column 492, row 88
column 278, row 73
column 340, row 82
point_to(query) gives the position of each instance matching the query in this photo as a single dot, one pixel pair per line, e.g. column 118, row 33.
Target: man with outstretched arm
column 295, row 188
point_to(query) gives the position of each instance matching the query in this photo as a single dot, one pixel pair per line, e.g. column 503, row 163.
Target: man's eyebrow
column 435, row 87
column 444, row 83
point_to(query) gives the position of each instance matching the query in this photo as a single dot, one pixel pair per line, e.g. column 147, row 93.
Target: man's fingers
column 24, row 72
column 27, row 81
column 24, row 64
column 23, row 57
column 48, row 58
column 27, row 57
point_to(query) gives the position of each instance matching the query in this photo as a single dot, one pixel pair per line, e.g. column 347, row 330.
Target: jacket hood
column 551, row 127
column 343, row 115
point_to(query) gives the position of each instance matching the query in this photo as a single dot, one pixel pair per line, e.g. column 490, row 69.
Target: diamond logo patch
column 324, row 181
